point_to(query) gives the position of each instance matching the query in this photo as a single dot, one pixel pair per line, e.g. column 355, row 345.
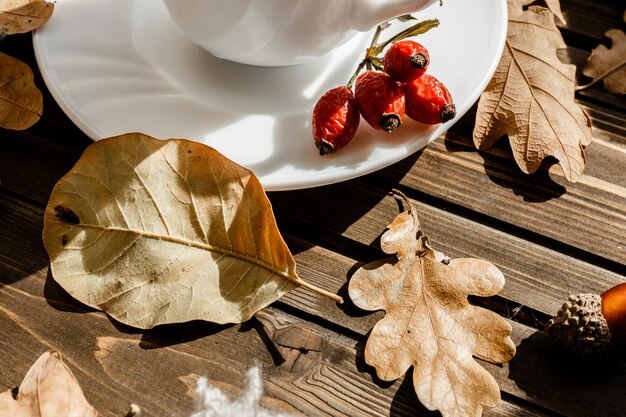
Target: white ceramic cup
column 281, row 32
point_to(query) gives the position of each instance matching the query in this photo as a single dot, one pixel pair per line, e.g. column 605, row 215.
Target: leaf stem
column 602, row 76
column 416, row 29
column 319, row 290
column 363, row 62
column 356, row 73
column 372, row 59
column 411, row 209
column 400, row 195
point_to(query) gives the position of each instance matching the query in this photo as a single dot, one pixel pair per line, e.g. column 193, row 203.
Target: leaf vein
column 194, row 207
column 133, row 168
column 535, row 100
column 197, row 245
column 543, row 61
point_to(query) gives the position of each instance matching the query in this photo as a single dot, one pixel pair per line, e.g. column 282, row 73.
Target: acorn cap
column 580, row 327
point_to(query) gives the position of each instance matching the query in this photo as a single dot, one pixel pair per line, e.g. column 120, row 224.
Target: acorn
column 591, row 325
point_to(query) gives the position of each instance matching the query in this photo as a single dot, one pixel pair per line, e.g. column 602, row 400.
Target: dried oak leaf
column 553, row 5
column 21, row 102
column 429, row 323
column 155, row 232
column 531, row 97
column 609, row 64
column 49, row 389
column 21, row 16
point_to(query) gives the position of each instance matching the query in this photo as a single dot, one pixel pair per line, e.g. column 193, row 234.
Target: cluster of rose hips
column 383, row 98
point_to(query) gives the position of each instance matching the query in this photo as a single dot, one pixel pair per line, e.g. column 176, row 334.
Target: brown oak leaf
column 608, row 64
column 49, row 389
column 21, row 102
column 531, row 96
column 153, row 232
column 553, row 5
column 429, row 323
column 21, row 16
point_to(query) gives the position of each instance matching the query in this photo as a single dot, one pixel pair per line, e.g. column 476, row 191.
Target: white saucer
column 120, row 66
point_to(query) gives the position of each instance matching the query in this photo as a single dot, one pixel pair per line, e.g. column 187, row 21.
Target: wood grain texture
column 537, row 276
column 328, row 253
column 156, row 369
column 114, row 361
column 549, row 237
column 117, row 365
column 592, row 25
column 589, row 215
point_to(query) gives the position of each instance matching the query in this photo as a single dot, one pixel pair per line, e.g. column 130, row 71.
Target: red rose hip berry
column 406, row 61
column 380, row 99
column 335, row 120
column 428, row 100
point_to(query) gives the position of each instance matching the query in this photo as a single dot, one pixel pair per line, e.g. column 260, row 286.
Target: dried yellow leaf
column 21, row 16
column 21, row 102
column 531, row 97
column 429, row 323
column 49, row 389
column 155, row 232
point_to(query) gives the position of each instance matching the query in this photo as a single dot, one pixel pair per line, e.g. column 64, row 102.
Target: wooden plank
column 497, row 192
column 316, row 265
column 30, row 166
column 542, row 374
column 38, row 315
column 590, row 27
column 156, row 369
column 537, row 277
column 314, row 371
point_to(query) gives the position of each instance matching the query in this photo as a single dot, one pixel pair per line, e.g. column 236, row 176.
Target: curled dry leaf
column 531, row 97
column 429, row 323
column 21, row 102
column 553, row 5
column 609, row 64
column 21, row 16
column 49, row 389
column 155, row 232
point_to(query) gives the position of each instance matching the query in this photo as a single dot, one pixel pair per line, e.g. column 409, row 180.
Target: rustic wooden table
column 549, row 237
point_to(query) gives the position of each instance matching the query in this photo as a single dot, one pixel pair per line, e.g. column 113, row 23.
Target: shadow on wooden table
column 61, row 300
column 500, row 166
column 406, row 396
column 502, row 170
column 550, row 377
column 21, row 250
column 336, row 208
column 167, row 335
column 161, row 336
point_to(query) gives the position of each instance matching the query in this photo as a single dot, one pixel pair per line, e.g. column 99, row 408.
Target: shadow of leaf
column 405, row 402
column 502, row 170
column 550, row 377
